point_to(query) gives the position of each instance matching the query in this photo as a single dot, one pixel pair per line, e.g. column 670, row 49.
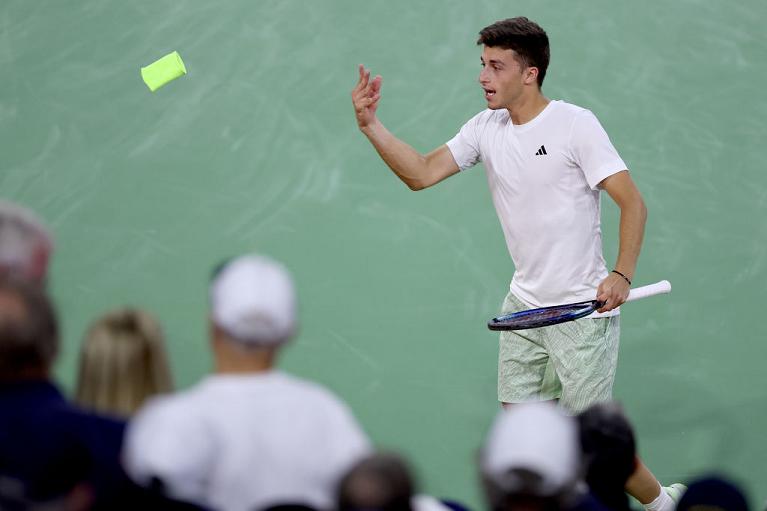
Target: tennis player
column 546, row 163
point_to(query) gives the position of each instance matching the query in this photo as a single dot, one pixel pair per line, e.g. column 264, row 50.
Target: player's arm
column 633, row 214
column 417, row 171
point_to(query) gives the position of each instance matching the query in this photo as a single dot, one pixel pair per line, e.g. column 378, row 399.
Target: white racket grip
column 664, row 286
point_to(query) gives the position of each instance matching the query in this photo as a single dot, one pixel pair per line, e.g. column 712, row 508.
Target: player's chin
column 492, row 105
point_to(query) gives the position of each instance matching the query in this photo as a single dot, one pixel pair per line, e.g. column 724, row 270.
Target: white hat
column 253, row 300
column 536, row 436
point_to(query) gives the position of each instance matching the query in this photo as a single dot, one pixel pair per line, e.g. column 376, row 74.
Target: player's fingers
column 357, row 95
column 360, row 93
column 615, row 297
column 608, row 303
column 366, row 103
column 359, row 81
column 363, row 79
column 375, row 86
column 361, row 105
column 620, row 292
column 363, row 72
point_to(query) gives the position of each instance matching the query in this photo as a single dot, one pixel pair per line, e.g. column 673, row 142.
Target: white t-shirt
column 245, row 442
column 543, row 177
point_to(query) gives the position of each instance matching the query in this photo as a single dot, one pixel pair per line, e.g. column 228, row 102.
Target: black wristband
column 622, row 275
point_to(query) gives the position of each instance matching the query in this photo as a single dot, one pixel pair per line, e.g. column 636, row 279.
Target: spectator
column 25, row 243
column 610, row 455
column 531, row 461
column 713, row 493
column 609, row 450
column 122, row 363
column 248, row 436
column 50, row 452
column 384, row 482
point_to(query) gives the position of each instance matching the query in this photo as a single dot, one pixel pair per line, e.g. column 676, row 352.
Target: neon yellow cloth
column 162, row 71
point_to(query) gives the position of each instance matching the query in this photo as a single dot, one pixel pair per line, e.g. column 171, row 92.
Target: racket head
column 544, row 316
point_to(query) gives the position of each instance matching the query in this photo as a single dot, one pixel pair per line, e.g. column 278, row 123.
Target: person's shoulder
column 53, row 410
column 95, row 422
column 182, row 405
column 570, row 110
column 315, row 398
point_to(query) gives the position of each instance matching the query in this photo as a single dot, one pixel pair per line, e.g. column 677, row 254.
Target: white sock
column 661, row 503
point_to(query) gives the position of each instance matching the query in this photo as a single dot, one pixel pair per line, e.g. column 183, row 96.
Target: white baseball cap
column 252, row 298
column 539, row 437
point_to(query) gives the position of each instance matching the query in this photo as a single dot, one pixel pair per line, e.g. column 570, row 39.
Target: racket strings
column 536, row 318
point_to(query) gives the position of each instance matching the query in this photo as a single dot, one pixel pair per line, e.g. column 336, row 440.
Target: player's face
column 501, row 78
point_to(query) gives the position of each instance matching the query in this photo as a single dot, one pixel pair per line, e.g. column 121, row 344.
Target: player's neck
column 527, row 107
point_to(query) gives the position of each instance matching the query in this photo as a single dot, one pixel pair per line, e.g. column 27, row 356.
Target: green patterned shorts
column 574, row 362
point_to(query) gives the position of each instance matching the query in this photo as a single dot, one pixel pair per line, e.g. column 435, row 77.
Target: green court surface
column 256, row 148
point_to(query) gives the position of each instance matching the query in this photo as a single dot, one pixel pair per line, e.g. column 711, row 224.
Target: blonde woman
column 122, row 363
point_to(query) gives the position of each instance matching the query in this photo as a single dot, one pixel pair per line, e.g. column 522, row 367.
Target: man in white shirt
column 546, row 163
column 248, row 436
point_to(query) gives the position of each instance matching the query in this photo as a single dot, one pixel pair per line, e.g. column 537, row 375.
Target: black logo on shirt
column 541, row 151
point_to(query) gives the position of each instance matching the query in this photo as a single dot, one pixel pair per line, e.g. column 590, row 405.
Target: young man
column 546, row 163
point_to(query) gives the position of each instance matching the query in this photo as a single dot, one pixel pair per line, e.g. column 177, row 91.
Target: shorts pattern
column 574, row 362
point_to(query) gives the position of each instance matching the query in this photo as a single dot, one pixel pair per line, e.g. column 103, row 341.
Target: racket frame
column 500, row 323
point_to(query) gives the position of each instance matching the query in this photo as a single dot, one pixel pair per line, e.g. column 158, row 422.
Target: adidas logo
column 541, row 151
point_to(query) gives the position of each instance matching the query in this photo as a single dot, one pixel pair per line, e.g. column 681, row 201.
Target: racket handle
column 664, row 286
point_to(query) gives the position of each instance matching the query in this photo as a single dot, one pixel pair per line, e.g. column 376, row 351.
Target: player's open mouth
column 489, row 93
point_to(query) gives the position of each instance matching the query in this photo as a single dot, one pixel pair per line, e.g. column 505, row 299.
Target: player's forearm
column 632, row 224
column 407, row 163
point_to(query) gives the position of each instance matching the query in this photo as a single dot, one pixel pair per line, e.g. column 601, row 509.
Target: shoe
column 675, row 491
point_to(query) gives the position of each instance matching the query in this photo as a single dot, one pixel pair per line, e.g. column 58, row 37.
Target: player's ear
column 531, row 75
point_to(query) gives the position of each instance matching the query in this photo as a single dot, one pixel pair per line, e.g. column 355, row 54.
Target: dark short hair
column 525, row 37
column 381, row 481
column 29, row 340
column 714, row 492
column 609, row 449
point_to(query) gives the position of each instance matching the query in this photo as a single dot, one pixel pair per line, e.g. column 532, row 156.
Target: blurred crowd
column 250, row 436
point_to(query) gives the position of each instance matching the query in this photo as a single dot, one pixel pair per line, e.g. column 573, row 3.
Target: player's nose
column 482, row 79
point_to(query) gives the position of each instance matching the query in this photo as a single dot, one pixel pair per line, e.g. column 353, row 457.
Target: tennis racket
column 545, row 316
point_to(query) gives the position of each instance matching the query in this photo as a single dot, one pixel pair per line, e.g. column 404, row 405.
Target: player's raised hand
column 613, row 292
column 365, row 96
